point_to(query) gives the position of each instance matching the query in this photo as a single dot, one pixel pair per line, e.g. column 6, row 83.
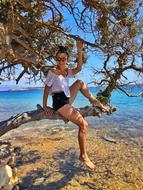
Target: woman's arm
column 79, row 45
column 47, row 111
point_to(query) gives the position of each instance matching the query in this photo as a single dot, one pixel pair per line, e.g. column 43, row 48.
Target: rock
column 17, row 150
column 39, row 181
column 5, row 175
column 16, row 187
column 12, row 161
column 8, row 171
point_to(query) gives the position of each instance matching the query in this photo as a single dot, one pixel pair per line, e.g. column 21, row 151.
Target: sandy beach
column 48, row 159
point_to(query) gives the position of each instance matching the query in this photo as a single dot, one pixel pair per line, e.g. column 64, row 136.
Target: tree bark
column 36, row 115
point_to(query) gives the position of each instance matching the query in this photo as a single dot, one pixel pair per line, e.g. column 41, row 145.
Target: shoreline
column 47, row 126
column 41, row 87
column 49, row 159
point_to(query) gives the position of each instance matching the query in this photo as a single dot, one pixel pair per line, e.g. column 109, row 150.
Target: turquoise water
column 129, row 112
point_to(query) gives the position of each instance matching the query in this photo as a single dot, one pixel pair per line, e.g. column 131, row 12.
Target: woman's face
column 61, row 60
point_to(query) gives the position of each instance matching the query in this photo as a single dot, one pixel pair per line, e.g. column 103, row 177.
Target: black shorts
column 59, row 100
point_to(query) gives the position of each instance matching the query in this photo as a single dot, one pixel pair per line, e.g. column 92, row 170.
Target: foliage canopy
column 30, row 31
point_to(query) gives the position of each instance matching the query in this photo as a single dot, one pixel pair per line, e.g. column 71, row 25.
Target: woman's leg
column 80, row 85
column 74, row 116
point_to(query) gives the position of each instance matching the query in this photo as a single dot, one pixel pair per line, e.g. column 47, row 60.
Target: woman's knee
column 83, row 126
column 80, row 82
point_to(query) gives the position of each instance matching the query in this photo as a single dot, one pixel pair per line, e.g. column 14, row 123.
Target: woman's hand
column 79, row 44
column 48, row 111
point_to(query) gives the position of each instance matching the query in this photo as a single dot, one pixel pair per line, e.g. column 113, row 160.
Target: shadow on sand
column 60, row 170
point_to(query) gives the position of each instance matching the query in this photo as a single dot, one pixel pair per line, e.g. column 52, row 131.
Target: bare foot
column 87, row 162
column 100, row 106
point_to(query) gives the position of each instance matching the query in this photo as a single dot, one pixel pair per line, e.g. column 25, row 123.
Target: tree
column 116, row 29
column 31, row 30
column 27, row 38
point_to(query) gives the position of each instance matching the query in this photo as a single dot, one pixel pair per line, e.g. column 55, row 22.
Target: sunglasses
column 61, row 59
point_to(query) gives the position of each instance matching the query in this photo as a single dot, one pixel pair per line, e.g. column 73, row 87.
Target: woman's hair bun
column 63, row 49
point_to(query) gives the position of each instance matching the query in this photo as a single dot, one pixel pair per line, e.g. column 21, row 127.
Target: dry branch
column 36, row 115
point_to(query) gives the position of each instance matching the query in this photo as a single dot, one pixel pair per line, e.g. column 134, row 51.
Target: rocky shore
column 49, row 159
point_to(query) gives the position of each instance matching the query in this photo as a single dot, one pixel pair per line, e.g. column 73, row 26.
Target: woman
column 63, row 96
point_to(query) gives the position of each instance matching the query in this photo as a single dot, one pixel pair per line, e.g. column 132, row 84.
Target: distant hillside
column 29, row 88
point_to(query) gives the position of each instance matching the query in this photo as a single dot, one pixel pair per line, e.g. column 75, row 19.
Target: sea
column 127, row 120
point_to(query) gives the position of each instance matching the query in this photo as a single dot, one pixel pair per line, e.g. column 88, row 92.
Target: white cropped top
column 58, row 83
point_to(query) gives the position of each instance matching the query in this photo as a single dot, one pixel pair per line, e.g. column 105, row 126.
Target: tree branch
column 128, row 94
column 23, row 44
column 23, row 32
column 21, row 75
column 5, row 67
column 36, row 115
column 76, row 37
column 24, row 3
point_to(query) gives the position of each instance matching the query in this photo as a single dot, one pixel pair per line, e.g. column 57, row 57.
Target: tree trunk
column 35, row 115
